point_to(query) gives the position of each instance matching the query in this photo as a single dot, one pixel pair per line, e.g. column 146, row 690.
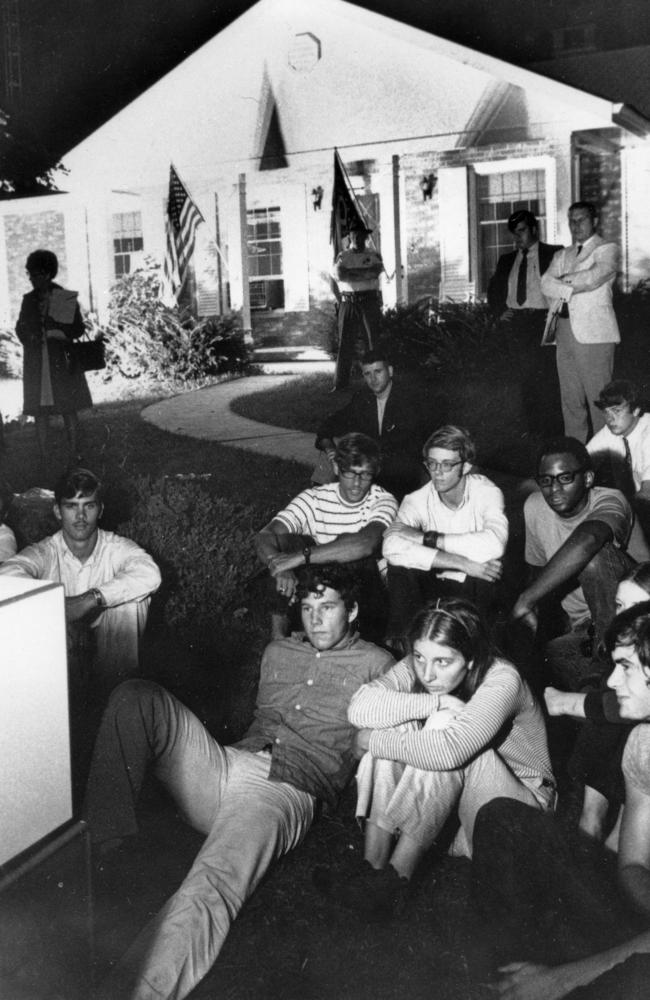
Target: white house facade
column 440, row 143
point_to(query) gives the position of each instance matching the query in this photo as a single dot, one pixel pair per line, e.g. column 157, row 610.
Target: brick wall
column 600, row 182
column 24, row 233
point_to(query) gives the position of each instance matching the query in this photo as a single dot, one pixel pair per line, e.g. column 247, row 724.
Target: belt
column 352, row 296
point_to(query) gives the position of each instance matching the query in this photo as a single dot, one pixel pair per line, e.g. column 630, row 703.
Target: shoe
column 377, row 895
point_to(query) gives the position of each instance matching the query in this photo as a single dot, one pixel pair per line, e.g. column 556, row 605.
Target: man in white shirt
column 108, row 580
column 356, row 272
column 449, row 536
column 580, row 281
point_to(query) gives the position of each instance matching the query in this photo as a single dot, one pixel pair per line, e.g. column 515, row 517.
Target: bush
column 146, row 338
column 11, row 355
column 446, row 336
column 203, row 545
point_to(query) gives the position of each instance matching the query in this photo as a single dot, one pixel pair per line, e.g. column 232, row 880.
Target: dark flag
column 180, row 226
column 345, row 207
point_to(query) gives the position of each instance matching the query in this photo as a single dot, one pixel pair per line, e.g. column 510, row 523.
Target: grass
column 288, row 943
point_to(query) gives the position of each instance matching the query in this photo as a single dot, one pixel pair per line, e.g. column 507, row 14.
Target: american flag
column 180, row 226
column 345, row 207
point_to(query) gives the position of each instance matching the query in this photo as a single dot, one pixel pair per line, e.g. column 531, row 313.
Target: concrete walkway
column 206, row 413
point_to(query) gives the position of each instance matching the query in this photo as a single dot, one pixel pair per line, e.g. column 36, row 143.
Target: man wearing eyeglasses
column 449, row 536
column 576, row 551
column 340, row 522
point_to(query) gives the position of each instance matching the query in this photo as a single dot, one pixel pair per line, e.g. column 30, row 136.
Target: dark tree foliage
column 26, row 165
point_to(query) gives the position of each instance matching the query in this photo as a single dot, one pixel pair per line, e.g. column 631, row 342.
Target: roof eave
column 627, row 117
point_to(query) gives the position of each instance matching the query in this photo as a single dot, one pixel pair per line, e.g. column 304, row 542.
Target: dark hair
column 43, row 260
column 453, row 439
column 376, row 356
column 522, row 215
column 621, row 390
column 564, row 446
column 78, row 483
column 456, row 623
column 632, row 628
column 588, row 205
column 640, row 574
column 337, row 576
column 357, row 449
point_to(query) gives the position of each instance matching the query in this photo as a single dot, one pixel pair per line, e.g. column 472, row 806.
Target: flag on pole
column 345, row 207
column 181, row 221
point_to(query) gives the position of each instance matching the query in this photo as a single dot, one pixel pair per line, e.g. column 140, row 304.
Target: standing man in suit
column 580, row 280
column 390, row 414
column 515, row 297
column 356, row 271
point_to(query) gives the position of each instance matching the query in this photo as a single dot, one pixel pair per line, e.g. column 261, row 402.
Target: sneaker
column 377, row 895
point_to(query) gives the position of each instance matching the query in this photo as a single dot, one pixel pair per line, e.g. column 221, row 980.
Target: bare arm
column 405, row 546
column 568, row 562
column 571, row 703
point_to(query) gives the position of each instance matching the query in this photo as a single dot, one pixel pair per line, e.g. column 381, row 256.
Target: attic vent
column 304, row 52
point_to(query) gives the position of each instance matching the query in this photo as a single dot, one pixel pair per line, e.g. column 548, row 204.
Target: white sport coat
column 585, row 282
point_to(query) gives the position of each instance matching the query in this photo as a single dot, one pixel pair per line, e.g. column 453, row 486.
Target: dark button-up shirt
column 301, row 710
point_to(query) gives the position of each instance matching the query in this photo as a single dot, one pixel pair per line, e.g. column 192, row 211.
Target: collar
column 347, row 642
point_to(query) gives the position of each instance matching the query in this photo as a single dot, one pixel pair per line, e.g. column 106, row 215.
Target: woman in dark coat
column 53, row 381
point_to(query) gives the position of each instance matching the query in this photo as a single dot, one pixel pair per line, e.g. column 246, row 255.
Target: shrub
column 203, row 545
column 145, row 337
column 445, row 336
column 11, row 355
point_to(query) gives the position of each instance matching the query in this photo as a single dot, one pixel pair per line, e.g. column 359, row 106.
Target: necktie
column 628, row 486
column 521, row 278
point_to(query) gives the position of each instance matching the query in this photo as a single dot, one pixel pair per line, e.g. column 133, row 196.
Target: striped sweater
column 502, row 715
column 322, row 513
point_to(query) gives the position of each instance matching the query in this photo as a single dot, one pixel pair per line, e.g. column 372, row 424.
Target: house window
column 264, row 241
column 128, row 245
column 498, row 196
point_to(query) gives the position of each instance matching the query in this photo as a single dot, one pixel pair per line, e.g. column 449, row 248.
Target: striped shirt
column 501, row 715
column 324, row 515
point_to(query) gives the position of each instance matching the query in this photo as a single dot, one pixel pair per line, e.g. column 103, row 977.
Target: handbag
column 89, row 353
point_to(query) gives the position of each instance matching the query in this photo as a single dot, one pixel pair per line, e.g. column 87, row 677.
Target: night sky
column 83, row 60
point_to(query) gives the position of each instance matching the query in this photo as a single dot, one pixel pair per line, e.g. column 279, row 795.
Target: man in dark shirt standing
column 390, row 414
column 254, row 801
column 515, row 297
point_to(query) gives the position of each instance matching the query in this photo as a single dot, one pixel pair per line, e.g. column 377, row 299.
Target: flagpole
column 245, row 273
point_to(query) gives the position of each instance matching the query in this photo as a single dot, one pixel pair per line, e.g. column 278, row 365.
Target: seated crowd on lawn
column 388, row 616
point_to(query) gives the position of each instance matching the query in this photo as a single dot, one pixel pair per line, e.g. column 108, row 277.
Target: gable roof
column 375, row 81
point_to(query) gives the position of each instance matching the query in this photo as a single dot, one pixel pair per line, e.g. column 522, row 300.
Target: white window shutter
column 295, row 264
column 453, row 194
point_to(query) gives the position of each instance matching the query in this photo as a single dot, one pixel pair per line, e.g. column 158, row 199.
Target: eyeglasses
column 363, row 477
column 563, row 478
column 444, row 466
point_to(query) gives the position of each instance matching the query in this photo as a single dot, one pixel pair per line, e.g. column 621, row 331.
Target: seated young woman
column 447, row 729
column 598, row 753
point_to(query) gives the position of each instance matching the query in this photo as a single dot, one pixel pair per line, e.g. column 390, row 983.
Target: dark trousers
column 410, row 589
column 540, row 386
column 358, row 327
column 542, row 894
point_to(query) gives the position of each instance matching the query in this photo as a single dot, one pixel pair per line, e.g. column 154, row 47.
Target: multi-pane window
column 498, row 196
column 264, row 241
column 128, row 245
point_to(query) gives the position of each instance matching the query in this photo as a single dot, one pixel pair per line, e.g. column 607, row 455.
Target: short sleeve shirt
column 636, row 758
column 546, row 532
column 322, row 513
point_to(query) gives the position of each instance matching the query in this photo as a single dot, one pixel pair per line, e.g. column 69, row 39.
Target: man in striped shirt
column 341, row 522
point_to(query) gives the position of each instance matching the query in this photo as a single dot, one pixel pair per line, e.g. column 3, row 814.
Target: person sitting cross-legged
column 339, row 522
column 449, row 536
column 448, row 728
column 576, row 541
column 253, row 801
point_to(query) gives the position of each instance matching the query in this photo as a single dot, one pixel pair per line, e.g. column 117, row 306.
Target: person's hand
column 525, row 981
column 490, row 570
column 440, row 719
column 555, row 701
column 283, row 562
column 361, row 741
column 285, row 584
column 405, row 532
column 331, row 453
column 525, row 612
column 507, row 316
column 452, row 703
column 83, row 607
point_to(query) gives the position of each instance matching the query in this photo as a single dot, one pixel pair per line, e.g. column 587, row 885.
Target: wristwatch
column 97, row 594
column 307, row 554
